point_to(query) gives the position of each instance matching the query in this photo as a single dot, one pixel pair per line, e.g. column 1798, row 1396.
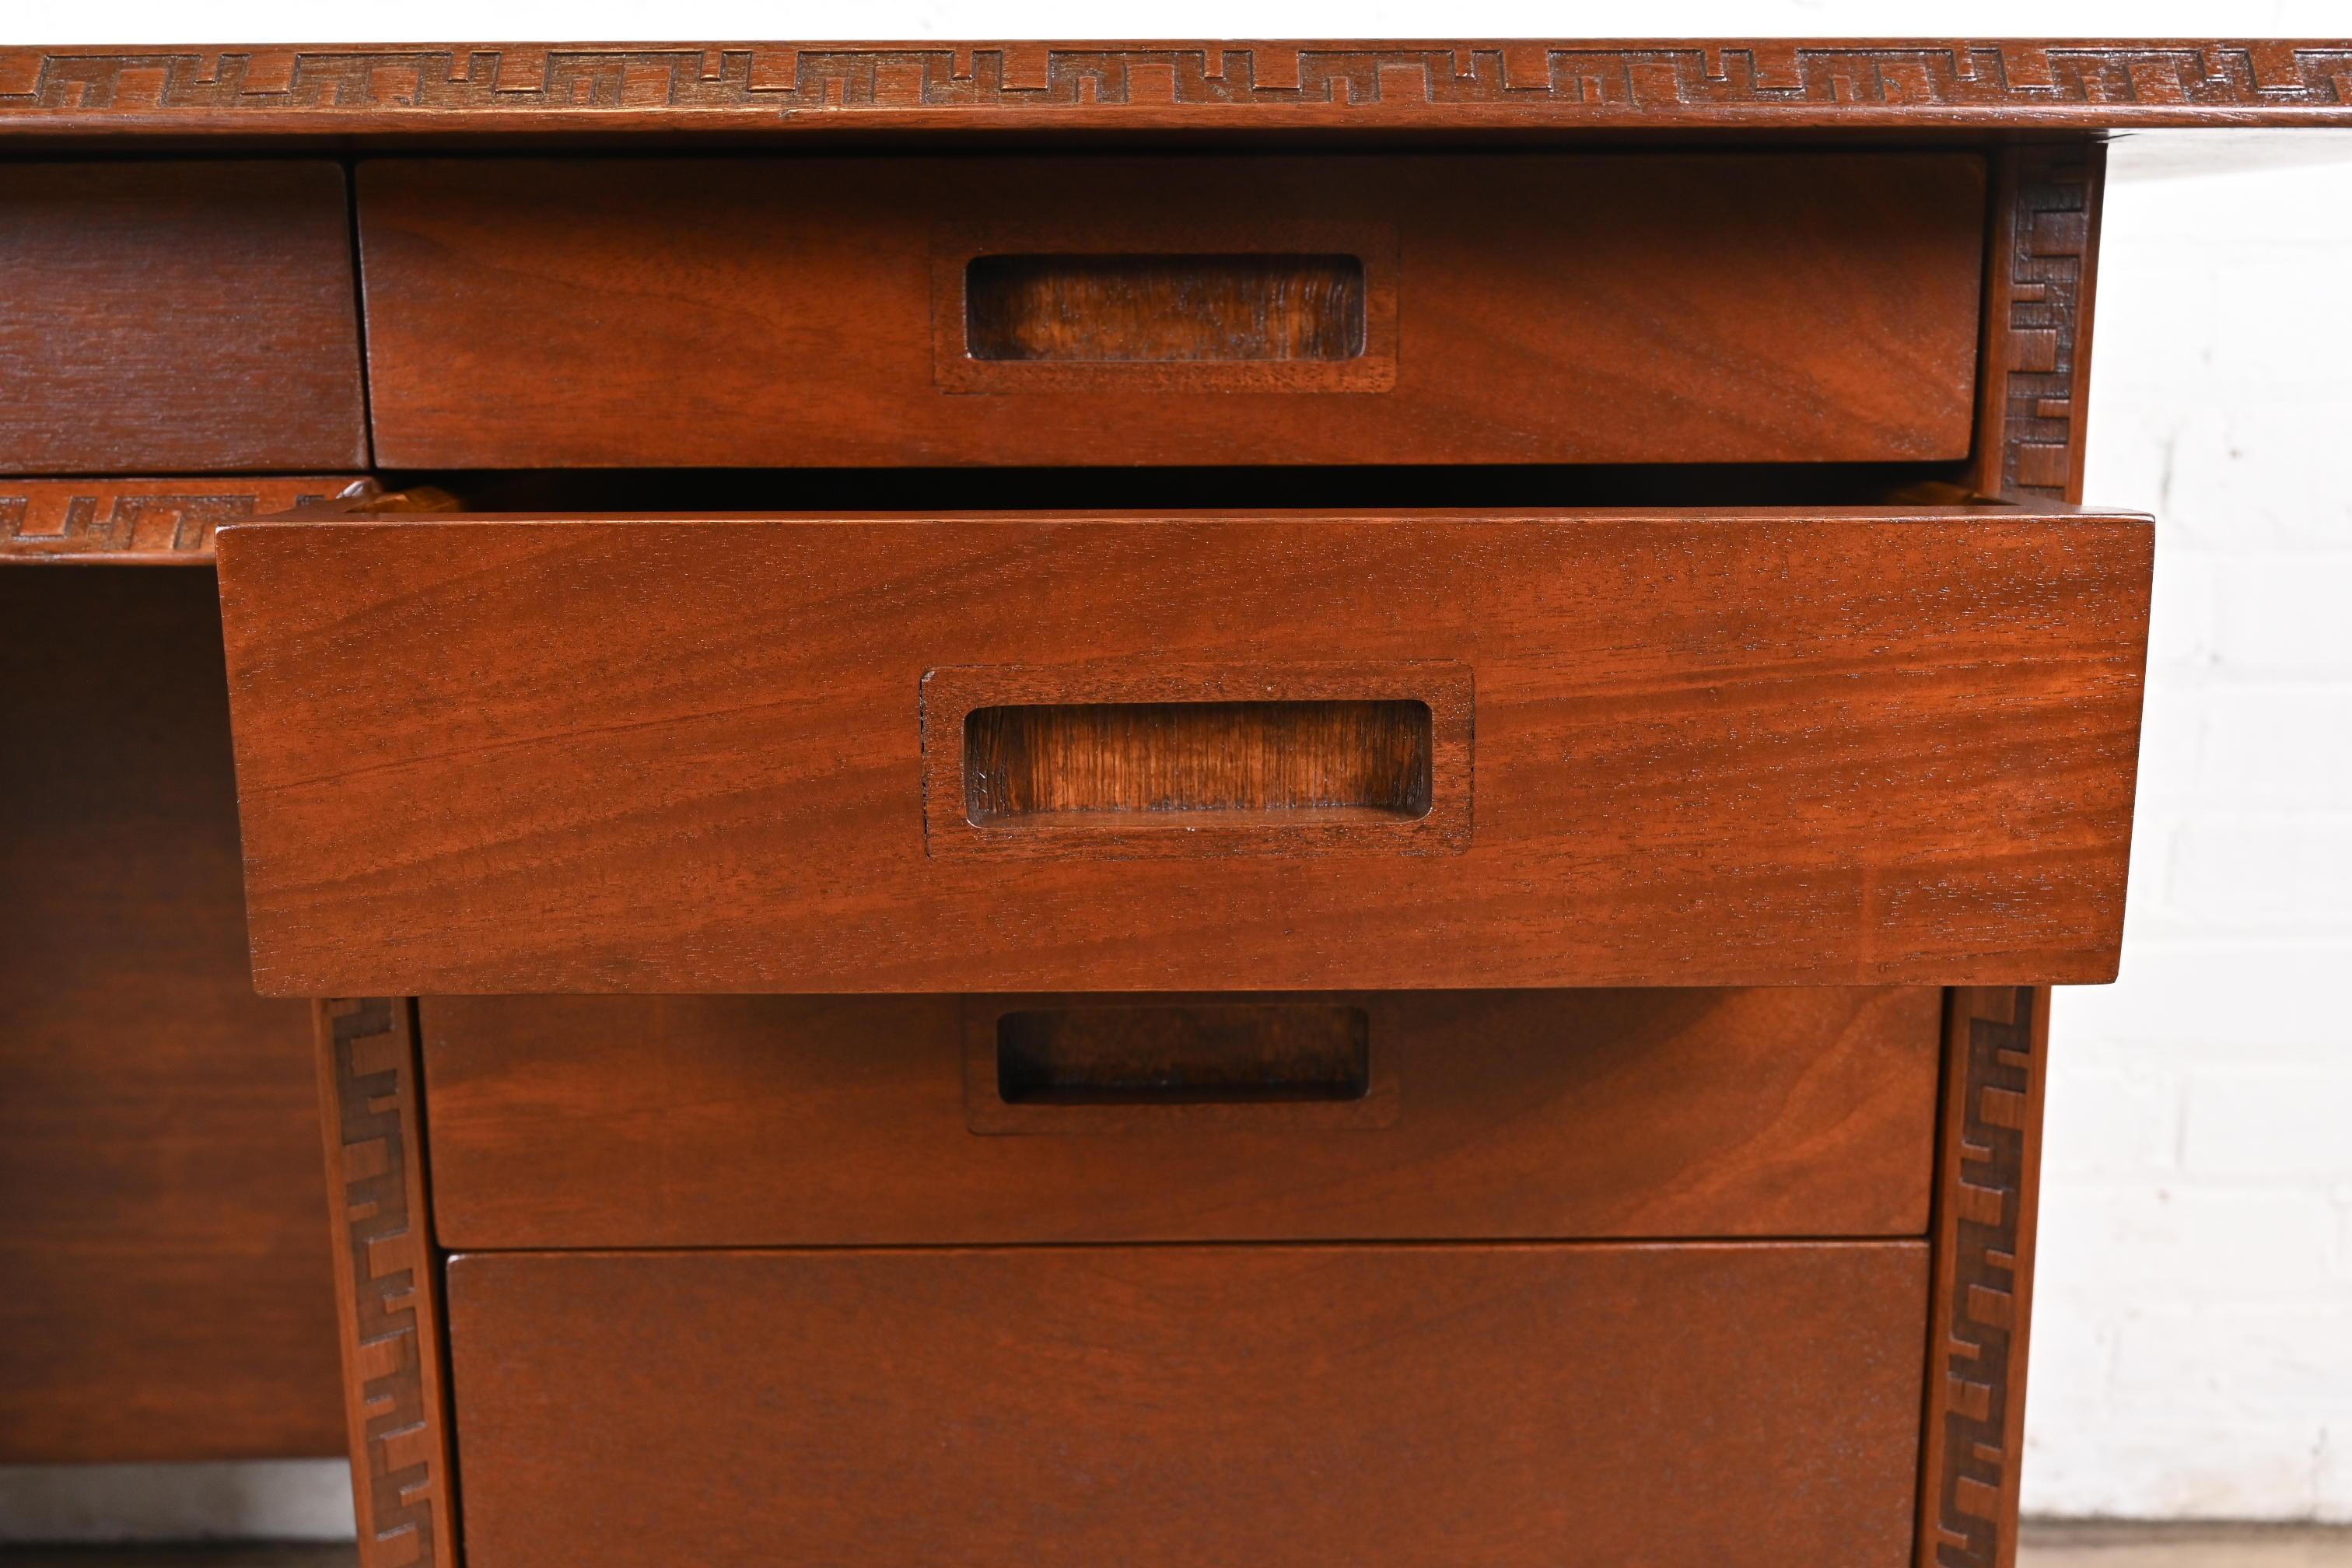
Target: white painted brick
column 2270, row 1122
column 2110, row 1121
column 2274, row 870
column 2138, row 1240
column 2072, row 1376
column 2260, row 1363
column 2281, row 614
column 2332, row 1483
column 2254, row 475
column 2133, row 1468
column 2273, row 746
column 2216, row 1001
column 2181, row 640
column 2175, row 729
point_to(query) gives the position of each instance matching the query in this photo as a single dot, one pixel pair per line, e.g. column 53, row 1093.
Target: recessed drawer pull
column 1207, row 1053
column 1071, row 764
column 1264, row 306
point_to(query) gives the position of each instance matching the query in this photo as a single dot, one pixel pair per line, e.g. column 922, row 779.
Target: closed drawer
column 1240, row 310
column 1185, row 752
column 168, row 317
column 780, row 1121
column 1526, row 1407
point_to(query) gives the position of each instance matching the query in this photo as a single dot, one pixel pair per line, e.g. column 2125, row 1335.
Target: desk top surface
column 1521, row 85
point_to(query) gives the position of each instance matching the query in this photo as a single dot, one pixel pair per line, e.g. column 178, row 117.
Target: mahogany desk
column 1172, row 803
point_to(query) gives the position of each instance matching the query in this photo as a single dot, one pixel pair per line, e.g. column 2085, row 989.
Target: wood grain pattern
column 1153, row 1052
column 771, row 1120
column 561, row 313
column 166, row 1289
column 1997, row 1042
column 1071, row 762
column 786, row 89
column 140, row 522
column 1305, row 764
column 177, row 317
column 1513, row 1407
column 2031, row 424
column 1111, row 308
column 1712, row 749
column 387, row 1284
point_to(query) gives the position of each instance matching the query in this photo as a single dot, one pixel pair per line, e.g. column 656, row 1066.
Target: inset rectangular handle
column 1110, row 309
column 1105, row 763
column 1065, row 764
column 1203, row 1053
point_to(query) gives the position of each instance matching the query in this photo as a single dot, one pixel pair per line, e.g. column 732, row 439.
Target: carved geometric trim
column 2044, row 269
column 1990, row 1156
column 338, row 89
column 388, row 1284
column 141, row 522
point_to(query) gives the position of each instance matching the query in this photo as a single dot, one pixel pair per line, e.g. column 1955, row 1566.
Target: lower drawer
column 1500, row 1405
column 562, row 1122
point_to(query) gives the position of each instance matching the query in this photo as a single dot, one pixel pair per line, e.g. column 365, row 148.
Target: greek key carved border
column 387, row 1283
column 1987, row 1190
column 2079, row 84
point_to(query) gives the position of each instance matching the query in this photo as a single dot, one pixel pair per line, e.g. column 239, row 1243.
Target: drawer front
column 177, row 317
column 792, row 1120
column 1681, row 1407
column 1240, row 310
column 1301, row 752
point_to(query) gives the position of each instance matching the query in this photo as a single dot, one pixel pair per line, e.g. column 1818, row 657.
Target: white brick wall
column 2193, row 1314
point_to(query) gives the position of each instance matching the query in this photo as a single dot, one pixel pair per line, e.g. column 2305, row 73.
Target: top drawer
column 1620, row 308
column 177, row 317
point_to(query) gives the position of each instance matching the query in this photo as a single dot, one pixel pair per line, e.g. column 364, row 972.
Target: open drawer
column 1271, row 750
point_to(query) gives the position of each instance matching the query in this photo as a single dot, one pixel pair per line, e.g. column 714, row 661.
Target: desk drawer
column 1519, row 308
column 172, row 316
column 1192, row 753
column 1168, row 1407
column 569, row 1121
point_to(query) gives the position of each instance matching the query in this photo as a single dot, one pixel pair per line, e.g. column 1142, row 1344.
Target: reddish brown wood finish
column 787, row 91
column 1166, row 309
column 2035, row 389
column 387, row 1284
column 177, row 317
column 166, row 1291
column 741, row 1120
column 140, row 522
column 1514, row 1406
column 1711, row 749
column 1299, row 780
column 1598, row 308
column 1988, row 1186
column 1189, row 762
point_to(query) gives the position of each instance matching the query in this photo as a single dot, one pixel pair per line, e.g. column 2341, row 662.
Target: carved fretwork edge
column 1980, row 1301
column 336, row 88
column 387, row 1284
column 2041, row 267
column 142, row 521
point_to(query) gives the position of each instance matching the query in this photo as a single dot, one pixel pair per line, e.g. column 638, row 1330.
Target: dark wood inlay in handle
column 1072, row 764
column 1163, row 309
column 1188, row 1053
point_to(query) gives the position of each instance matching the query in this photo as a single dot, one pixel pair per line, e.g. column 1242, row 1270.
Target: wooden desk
column 1184, row 804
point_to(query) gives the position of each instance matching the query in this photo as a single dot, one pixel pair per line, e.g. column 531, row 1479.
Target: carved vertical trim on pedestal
column 2037, row 348
column 1987, row 1177
column 387, row 1283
